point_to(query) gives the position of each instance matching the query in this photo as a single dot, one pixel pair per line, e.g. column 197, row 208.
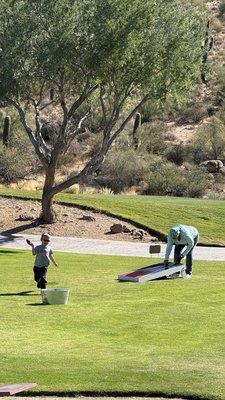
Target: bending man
column 182, row 236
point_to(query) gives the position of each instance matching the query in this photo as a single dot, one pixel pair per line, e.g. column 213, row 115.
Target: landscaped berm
column 162, row 338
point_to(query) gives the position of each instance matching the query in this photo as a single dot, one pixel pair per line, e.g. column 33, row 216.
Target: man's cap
column 174, row 231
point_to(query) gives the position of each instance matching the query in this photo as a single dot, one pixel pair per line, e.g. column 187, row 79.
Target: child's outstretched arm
column 53, row 260
column 32, row 246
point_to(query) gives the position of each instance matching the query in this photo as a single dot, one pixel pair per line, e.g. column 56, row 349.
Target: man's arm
column 190, row 244
column 169, row 247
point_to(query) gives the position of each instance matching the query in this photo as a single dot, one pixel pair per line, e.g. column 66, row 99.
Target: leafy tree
column 109, row 50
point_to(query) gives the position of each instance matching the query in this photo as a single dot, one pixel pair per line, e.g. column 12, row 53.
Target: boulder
column 137, row 234
column 222, row 171
column 213, row 166
column 88, row 218
column 126, row 229
column 25, row 217
column 116, row 228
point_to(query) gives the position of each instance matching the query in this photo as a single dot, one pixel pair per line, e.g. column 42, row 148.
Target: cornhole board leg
column 9, row 390
column 151, row 273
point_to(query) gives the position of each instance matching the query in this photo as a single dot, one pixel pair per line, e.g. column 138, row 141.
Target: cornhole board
column 9, row 390
column 151, row 272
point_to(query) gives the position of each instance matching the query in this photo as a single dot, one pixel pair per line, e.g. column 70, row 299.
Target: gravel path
column 106, row 247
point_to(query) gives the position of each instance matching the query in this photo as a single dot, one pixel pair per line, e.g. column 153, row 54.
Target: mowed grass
column 164, row 337
column 155, row 212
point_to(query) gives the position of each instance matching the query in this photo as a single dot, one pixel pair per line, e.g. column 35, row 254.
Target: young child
column 44, row 255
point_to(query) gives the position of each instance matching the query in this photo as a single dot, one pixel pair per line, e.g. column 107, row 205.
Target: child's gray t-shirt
column 43, row 254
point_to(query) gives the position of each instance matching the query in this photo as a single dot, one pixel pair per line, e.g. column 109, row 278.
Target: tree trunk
column 47, row 215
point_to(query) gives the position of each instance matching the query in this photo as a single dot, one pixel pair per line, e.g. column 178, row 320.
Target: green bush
column 174, row 181
column 192, row 113
column 122, row 169
column 14, row 165
column 222, row 8
column 209, row 141
column 152, row 138
column 177, row 153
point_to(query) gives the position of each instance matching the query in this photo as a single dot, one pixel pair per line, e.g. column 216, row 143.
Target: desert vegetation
column 141, row 113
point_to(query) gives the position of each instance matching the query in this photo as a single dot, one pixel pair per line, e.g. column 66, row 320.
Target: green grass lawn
column 155, row 212
column 163, row 337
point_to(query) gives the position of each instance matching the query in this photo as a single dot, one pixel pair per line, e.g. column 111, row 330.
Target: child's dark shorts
column 40, row 276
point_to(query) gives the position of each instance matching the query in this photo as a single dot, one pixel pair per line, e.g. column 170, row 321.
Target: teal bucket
column 55, row 296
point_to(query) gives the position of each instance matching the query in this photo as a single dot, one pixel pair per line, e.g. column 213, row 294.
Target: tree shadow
column 25, row 293
column 4, row 251
column 7, row 236
column 116, row 394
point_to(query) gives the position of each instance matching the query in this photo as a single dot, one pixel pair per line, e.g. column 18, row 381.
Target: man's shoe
column 185, row 275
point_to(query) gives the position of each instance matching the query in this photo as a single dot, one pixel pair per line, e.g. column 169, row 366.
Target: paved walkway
column 107, row 247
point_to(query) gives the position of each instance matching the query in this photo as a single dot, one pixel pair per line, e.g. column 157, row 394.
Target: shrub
column 13, row 165
column 222, row 8
column 152, row 138
column 177, row 153
column 209, row 141
column 197, row 182
column 193, row 113
column 122, row 169
column 173, row 181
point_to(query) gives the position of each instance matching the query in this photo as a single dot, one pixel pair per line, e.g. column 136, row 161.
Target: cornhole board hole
column 151, row 272
column 55, row 296
column 9, row 390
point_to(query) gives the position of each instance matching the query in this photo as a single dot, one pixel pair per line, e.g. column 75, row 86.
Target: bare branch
column 91, row 166
column 98, row 158
column 63, row 100
column 37, row 116
column 71, row 135
column 46, row 105
column 84, row 96
column 119, row 100
column 41, row 93
column 23, row 120
column 132, row 113
column 40, row 151
column 103, row 104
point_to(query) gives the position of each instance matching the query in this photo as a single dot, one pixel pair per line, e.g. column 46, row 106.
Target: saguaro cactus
column 137, row 124
column 6, row 131
column 206, row 47
column 51, row 94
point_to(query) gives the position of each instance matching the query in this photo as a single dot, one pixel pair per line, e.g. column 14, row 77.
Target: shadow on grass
column 36, row 304
column 118, row 394
column 27, row 293
column 3, row 251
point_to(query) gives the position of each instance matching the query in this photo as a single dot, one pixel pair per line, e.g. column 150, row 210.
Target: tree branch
column 103, row 104
column 132, row 113
column 41, row 152
column 37, row 115
column 41, row 93
column 84, row 95
column 46, row 105
column 63, row 100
